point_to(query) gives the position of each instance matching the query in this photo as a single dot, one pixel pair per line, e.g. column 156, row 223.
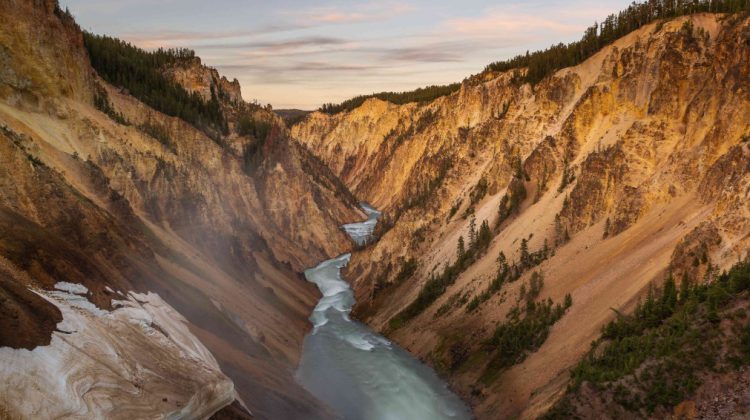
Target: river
column 357, row 372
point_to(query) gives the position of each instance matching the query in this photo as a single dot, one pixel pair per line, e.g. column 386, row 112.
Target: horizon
column 296, row 55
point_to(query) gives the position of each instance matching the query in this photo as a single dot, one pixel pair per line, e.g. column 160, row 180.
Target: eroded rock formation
column 108, row 203
column 615, row 171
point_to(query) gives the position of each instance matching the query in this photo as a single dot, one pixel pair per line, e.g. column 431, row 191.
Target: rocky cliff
column 110, row 204
column 600, row 179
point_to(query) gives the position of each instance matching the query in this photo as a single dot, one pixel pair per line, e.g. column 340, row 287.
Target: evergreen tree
column 540, row 64
column 684, row 288
column 524, row 254
column 558, row 231
column 472, row 232
column 565, row 179
column 669, row 297
column 502, row 261
column 484, row 237
column 461, row 250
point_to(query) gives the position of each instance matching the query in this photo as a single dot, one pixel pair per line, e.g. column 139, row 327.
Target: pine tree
column 503, row 270
column 484, row 237
column 502, row 261
column 684, row 288
column 524, row 254
column 461, row 250
column 473, row 232
column 142, row 74
column 565, row 179
column 541, row 64
column 669, row 297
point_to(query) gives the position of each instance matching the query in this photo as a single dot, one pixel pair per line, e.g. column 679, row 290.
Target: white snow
column 74, row 288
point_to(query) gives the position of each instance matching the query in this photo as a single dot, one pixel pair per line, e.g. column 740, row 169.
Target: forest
column 140, row 72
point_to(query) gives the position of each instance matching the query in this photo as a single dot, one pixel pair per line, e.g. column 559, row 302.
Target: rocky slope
column 609, row 173
column 106, row 205
column 83, row 364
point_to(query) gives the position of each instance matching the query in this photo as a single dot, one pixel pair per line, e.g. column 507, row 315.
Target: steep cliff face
column 220, row 236
column 608, row 174
column 195, row 77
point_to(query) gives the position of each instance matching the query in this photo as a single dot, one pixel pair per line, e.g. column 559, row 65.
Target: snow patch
column 74, row 288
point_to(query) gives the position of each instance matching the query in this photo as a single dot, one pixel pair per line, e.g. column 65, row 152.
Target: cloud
column 531, row 18
column 338, row 17
column 368, row 12
column 109, row 7
column 279, row 45
column 316, row 51
column 323, row 66
column 155, row 39
column 499, row 23
column 422, row 54
column 277, row 68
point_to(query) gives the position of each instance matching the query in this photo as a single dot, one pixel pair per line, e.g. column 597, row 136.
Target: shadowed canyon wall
column 111, row 204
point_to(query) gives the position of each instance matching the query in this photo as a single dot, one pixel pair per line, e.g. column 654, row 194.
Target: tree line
column 420, row 95
column 543, row 63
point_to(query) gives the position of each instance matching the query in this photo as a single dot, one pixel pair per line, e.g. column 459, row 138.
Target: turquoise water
column 357, row 372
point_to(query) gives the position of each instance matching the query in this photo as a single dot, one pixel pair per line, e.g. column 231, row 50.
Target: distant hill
column 291, row 116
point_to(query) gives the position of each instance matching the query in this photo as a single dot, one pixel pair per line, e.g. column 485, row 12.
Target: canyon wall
column 610, row 174
column 102, row 202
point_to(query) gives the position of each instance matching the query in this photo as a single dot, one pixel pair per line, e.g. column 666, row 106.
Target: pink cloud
column 497, row 23
column 339, row 17
column 368, row 12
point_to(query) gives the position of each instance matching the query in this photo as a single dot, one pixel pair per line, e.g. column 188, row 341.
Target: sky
column 300, row 54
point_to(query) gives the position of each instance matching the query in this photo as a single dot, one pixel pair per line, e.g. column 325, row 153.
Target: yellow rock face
column 89, row 201
column 653, row 133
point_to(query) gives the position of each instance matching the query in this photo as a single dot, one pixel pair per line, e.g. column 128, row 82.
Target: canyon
column 161, row 263
column 88, row 200
column 618, row 169
column 356, row 371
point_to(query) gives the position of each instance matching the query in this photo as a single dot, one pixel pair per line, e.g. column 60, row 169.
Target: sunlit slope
column 625, row 165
